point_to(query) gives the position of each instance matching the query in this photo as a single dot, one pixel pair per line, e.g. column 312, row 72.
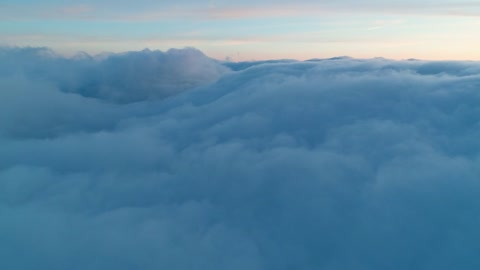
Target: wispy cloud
column 76, row 11
column 213, row 11
column 380, row 24
column 301, row 10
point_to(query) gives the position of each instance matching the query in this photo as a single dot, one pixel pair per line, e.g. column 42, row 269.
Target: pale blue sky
column 246, row 30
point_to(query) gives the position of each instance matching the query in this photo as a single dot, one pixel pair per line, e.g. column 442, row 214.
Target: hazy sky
column 247, row 30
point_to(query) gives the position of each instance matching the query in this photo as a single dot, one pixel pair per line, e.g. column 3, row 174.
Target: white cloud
column 324, row 164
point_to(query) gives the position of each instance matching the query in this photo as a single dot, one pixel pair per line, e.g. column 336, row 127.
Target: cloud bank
column 111, row 77
column 171, row 160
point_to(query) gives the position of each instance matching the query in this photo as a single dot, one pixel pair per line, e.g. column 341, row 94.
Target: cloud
column 147, row 10
column 121, row 78
column 171, row 160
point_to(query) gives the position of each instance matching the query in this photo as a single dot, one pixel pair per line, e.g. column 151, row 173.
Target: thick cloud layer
column 152, row 74
column 325, row 164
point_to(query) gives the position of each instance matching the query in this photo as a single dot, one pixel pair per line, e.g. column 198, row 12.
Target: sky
column 214, row 149
column 250, row 30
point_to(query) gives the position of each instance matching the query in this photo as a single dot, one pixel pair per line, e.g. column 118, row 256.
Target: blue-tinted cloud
column 124, row 78
column 325, row 164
